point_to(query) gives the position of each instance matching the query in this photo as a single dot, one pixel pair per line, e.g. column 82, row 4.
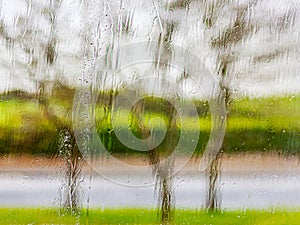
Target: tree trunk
column 73, row 163
column 213, row 174
column 72, row 158
column 161, row 171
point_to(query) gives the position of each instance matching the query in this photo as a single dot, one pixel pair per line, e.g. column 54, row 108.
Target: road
column 239, row 191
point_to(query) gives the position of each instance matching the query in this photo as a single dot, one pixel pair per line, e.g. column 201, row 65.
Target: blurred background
column 51, row 48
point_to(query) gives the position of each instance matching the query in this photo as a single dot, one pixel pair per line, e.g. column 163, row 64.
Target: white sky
column 279, row 76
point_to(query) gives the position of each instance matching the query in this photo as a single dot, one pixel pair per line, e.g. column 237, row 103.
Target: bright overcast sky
column 280, row 76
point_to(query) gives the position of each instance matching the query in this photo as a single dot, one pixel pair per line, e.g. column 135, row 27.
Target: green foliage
column 262, row 124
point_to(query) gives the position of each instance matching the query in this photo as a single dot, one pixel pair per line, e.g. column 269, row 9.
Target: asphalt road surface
column 239, row 191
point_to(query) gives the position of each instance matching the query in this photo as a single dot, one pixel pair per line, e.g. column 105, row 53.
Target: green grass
column 148, row 216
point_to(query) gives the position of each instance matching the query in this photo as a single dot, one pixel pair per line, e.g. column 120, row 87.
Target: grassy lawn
column 147, row 216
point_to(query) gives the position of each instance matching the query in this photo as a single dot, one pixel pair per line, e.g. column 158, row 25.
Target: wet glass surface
column 150, row 104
